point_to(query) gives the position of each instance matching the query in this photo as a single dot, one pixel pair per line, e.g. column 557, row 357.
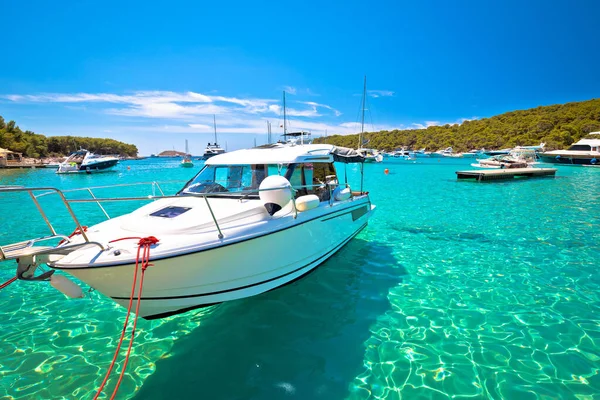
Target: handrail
column 41, row 211
column 110, row 186
column 99, row 200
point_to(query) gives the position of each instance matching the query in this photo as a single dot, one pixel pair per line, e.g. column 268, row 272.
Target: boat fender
column 557, row 157
column 275, row 192
column 66, row 286
column 342, row 193
column 307, row 202
column 593, row 161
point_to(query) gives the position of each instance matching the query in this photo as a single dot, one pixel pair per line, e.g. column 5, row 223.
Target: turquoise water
column 455, row 289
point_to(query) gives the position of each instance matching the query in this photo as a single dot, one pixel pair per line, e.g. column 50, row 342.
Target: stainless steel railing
column 46, row 191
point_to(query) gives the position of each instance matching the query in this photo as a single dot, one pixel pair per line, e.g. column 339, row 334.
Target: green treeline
column 557, row 125
column 37, row 146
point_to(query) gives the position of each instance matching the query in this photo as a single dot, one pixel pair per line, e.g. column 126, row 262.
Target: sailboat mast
column 284, row 122
column 362, row 121
column 215, row 125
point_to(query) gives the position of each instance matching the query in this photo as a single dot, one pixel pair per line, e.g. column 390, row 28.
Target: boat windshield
column 232, row 179
column 245, row 180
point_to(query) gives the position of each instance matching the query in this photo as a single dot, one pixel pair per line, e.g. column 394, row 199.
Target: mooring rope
column 144, row 245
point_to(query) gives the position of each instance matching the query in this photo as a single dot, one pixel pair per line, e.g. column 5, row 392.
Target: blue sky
column 153, row 73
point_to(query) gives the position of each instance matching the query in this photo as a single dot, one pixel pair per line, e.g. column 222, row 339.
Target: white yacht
column 584, row 152
column 250, row 221
column 211, row 149
column 83, row 161
column 447, row 152
column 519, row 157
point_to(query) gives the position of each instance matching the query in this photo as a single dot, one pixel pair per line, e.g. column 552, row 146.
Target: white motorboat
column 519, row 157
column 187, row 162
column 447, row 152
column 83, row 161
column 403, row 154
column 584, row 152
column 250, row 221
column 370, row 155
column 212, row 149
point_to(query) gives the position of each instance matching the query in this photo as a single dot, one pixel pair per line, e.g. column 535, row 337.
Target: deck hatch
column 170, row 212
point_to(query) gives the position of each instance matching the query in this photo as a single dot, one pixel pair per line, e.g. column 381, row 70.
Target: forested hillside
column 557, row 125
column 36, row 146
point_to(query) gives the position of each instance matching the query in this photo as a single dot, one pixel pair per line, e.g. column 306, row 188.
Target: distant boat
column 83, row 161
column 187, row 159
column 370, row 155
column 212, row 150
column 519, row 157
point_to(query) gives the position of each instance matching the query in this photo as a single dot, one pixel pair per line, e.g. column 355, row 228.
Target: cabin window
column 580, row 147
column 312, row 178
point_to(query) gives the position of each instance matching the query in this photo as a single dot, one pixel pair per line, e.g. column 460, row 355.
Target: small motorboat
column 83, row 161
column 187, row 162
column 519, row 157
column 370, row 155
column 250, row 221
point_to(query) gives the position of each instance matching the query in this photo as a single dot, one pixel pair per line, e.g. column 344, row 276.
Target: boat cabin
column 586, row 145
column 310, row 169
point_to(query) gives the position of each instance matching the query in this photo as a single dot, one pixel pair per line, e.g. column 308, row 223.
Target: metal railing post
column 213, row 217
column 99, row 205
column 42, row 213
column 294, row 203
column 159, row 188
column 70, row 210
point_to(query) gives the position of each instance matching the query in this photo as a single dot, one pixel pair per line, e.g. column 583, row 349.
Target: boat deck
column 503, row 174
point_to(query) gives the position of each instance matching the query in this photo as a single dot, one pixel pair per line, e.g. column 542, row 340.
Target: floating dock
column 506, row 173
column 22, row 165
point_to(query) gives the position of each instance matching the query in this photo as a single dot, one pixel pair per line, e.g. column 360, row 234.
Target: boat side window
column 580, row 147
column 312, row 178
column 323, row 176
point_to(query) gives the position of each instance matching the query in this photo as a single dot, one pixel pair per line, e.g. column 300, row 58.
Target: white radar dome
column 275, row 192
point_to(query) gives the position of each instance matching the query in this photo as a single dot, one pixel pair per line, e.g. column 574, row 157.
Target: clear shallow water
column 455, row 289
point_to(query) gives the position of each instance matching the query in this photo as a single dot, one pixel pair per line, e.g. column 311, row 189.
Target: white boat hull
column 232, row 271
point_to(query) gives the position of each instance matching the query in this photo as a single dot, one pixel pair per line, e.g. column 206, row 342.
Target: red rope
column 77, row 231
column 8, row 282
column 144, row 244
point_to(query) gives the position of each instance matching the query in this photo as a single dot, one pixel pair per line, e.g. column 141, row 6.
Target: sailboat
column 212, row 149
column 293, row 138
column 370, row 155
column 187, row 159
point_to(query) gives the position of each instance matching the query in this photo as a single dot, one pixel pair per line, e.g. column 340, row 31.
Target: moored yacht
column 519, row 157
column 248, row 222
column 212, row 149
column 84, row 161
column 584, row 152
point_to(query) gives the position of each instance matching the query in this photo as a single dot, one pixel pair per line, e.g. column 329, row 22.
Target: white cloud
column 290, row 89
column 380, row 93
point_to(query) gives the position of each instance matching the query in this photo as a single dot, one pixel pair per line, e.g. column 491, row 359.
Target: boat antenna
column 215, row 125
column 362, row 121
column 284, row 122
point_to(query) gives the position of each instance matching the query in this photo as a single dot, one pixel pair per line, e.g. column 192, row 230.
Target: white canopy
column 286, row 154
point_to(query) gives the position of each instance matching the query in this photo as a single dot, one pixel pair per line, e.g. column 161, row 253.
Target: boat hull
column 570, row 159
column 241, row 269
